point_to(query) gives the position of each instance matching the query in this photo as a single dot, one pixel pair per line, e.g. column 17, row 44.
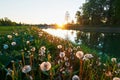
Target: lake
column 104, row 42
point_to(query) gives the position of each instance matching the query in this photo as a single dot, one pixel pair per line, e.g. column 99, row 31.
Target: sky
column 39, row 11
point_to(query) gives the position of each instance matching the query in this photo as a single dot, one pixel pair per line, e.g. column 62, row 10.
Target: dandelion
column 62, row 54
column 13, row 43
column 16, row 34
column 66, row 59
column 27, row 42
column 116, row 78
column 9, row 36
column 59, row 46
column 88, row 56
column 118, row 65
column 43, row 48
column 33, row 49
column 75, row 77
column 113, row 59
column 26, row 69
column 45, row 66
column 108, row 73
column 79, row 54
column 5, row 46
column 67, row 64
column 9, row 72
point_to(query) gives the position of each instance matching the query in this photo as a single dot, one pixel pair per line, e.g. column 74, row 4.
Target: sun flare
column 60, row 25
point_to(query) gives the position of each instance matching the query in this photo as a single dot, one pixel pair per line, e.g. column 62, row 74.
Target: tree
column 97, row 12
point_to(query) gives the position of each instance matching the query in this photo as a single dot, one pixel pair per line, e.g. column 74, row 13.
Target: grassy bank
column 28, row 53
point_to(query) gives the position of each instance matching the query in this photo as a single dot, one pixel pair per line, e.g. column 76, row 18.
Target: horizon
column 38, row 11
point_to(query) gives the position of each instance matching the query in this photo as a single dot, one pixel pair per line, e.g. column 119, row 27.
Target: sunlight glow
column 60, row 25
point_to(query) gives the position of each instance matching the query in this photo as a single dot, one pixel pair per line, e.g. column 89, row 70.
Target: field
column 28, row 53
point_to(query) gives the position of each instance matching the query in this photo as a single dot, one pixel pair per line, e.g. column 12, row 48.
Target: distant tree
column 7, row 22
column 78, row 17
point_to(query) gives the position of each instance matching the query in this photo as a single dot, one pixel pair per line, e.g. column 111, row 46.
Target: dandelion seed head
column 116, row 78
column 26, row 69
column 5, row 46
column 75, row 77
column 9, row 36
column 45, row 66
column 88, row 56
column 62, row 54
column 59, row 46
column 113, row 59
column 33, row 49
column 79, row 54
column 27, row 42
column 13, row 43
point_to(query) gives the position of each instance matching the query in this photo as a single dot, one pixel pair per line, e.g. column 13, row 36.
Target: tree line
column 7, row 22
column 99, row 12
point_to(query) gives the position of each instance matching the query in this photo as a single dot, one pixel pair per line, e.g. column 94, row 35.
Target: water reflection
column 65, row 34
column 103, row 42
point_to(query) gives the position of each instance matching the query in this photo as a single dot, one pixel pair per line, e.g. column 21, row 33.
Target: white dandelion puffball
column 59, row 46
column 45, row 66
column 27, row 42
column 43, row 48
column 9, row 36
column 75, row 77
column 88, row 56
column 13, row 43
column 26, row 69
column 33, row 49
column 118, row 64
column 116, row 78
column 113, row 59
column 79, row 54
column 5, row 46
column 62, row 54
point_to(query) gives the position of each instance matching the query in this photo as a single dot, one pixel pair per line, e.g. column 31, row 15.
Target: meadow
column 28, row 53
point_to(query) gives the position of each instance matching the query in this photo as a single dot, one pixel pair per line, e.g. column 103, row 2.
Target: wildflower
column 70, row 49
column 75, row 77
column 45, row 66
column 43, row 48
column 59, row 46
column 9, row 36
column 108, row 73
column 79, row 54
column 27, row 42
column 16, row 34
column 5, row 46
column 118, row 64
column 116, row 78
column 13, row 43
column 9, row 72
column 62, row 54
column 67, row 64
column 26, row 69
column 42, row 51
column 33, row 49
column 66, row 59
column 113, row 59
column 88, row 56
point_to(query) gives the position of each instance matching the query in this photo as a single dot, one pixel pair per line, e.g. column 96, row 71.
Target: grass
column 10, row 29
column 38, row 55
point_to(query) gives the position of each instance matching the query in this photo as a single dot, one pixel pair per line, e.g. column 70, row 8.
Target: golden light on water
column 60, row 25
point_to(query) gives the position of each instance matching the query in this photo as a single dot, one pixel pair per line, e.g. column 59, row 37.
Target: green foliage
column 95, row 12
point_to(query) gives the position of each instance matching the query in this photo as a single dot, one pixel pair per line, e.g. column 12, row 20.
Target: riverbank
column 33, row 54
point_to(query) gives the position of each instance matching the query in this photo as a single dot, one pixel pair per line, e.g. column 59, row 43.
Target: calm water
column 103, row 42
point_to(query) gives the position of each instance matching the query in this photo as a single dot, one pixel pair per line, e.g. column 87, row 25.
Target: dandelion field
column 28, row 53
